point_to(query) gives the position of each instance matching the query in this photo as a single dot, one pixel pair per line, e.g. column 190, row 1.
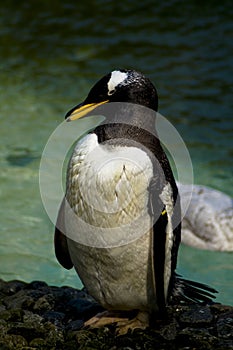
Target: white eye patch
column 117, row 78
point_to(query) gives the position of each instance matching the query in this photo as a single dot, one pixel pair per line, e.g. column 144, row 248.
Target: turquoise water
column 52, row 52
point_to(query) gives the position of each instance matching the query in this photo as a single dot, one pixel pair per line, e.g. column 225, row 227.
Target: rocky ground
column 38, row 316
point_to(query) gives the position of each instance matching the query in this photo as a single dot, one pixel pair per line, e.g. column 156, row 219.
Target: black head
column 125, row 86
column 118, row 86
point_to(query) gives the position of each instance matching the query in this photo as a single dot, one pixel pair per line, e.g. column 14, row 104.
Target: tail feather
column 192, row 291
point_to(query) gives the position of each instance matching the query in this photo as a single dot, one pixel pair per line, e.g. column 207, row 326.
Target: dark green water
column 51, row 52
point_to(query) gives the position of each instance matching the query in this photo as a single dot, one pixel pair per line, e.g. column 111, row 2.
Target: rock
column 12, row 287
column 197, row 338
column 218, row 309
column 22, row 299
column 13, row 341
column 31, row 318
column 38, row 285
column 15, row 315
column 44, row 303
column 27, row 330
column 196, row 315
column 75, row 325
column 169, row 331
column 54, row 318
column 38, row 343
column 84, row 308
column 225, row 325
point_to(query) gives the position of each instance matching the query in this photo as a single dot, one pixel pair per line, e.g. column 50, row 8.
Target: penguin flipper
column 188, row 290
column 60, row 240
column 158, row 244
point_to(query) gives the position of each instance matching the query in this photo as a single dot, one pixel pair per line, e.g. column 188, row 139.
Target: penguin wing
column 165, row 212
column 158, row 243
column 60, row 240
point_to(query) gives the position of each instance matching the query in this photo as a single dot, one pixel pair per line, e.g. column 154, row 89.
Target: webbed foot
column 122, row 321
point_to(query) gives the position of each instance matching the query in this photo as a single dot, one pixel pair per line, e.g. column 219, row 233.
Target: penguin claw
column 141, row 321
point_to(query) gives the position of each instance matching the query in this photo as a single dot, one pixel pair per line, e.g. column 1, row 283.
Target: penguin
column 119, row 224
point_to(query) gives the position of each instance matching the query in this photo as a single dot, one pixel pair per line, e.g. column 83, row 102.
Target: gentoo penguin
column 119, row 223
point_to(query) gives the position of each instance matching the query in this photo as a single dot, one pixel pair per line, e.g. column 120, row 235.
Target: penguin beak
column 82, row 109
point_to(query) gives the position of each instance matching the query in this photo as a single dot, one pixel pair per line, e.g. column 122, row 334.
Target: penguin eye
column 111, row 92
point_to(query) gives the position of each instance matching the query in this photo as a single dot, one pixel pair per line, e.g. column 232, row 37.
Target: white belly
column 109, row 224
column 118, row 278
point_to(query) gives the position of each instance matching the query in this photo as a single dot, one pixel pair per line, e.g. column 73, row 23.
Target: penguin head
column 118, row 86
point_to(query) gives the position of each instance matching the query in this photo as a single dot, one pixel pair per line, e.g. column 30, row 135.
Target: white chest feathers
column 107, row 191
